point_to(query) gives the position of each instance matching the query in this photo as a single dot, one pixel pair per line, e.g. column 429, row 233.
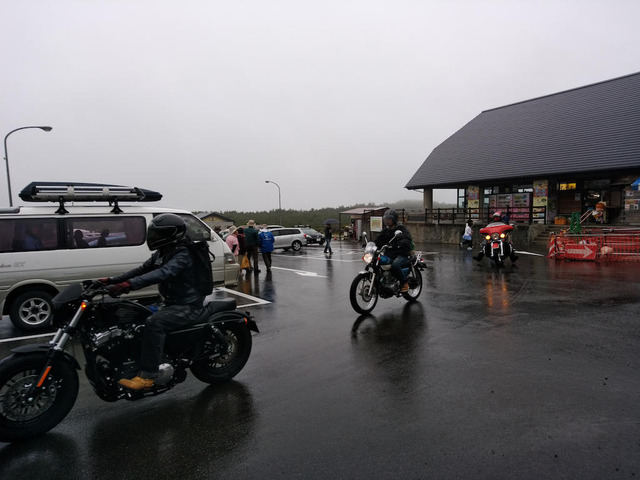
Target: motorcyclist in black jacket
column 400, row 248
column 171, row 266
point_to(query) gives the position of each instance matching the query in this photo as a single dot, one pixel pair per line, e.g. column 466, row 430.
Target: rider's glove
column 105, row 281
column 119, row 288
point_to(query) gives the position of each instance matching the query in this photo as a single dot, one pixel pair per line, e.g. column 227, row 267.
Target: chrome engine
column 388, row 284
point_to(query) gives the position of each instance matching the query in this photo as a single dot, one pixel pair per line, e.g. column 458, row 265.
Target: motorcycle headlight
column 369, row 252
column 495, row 236
column 502, row 235
column 488, row 237
column 368, row 257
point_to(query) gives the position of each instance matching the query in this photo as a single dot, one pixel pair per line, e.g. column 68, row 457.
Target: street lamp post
column 6, row 156
column 279, row 202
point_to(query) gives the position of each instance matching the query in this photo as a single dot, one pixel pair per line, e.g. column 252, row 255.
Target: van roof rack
column 62, row 192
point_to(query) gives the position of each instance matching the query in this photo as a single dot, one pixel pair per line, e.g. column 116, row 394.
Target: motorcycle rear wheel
column 220, row 368
column 21, row 418
column 415, row 285
column 363, row 298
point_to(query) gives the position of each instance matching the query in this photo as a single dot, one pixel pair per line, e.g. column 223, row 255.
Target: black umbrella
column 330, row 221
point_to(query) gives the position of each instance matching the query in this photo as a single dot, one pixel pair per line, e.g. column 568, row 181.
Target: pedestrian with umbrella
column 327, row 238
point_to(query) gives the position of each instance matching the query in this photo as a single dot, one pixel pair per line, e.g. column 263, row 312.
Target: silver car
column 289, row 238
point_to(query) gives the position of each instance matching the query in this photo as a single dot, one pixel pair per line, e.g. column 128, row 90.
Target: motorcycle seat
column 216, row 306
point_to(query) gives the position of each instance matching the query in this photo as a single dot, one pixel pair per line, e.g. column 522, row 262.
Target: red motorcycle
column 496, row 244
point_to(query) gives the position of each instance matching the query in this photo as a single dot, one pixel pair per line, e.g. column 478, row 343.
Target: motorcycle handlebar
column 94, row 287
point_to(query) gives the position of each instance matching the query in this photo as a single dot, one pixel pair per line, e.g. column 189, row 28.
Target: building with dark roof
column 545, row 158
column 215, row 220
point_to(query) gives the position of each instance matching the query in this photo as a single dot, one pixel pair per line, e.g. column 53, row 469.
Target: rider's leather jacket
column 400, row 246
column 172, row 268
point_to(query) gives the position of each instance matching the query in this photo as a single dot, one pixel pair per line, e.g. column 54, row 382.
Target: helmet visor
column 157, row 237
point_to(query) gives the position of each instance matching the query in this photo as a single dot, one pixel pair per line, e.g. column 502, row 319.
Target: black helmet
column 391, row 214
column 165, row 229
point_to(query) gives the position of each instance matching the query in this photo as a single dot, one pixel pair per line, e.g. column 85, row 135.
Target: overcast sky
column 338, row 102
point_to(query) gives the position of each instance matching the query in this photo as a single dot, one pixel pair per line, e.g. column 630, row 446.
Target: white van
column 47, row 247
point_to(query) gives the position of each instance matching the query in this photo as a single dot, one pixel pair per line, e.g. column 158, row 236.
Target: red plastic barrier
column 609, row 245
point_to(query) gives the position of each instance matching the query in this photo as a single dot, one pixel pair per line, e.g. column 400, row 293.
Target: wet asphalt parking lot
column 525, row 373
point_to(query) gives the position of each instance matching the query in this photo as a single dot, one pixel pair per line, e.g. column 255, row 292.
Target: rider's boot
column 136, row 383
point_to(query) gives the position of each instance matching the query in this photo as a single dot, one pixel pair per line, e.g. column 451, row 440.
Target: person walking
column 232, row 241
column 252, row 242
column 241, row 245
column 266, row 246
column 467, row 237
column 327, row 239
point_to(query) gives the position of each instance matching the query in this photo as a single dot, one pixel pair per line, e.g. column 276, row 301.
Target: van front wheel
column 32, row 310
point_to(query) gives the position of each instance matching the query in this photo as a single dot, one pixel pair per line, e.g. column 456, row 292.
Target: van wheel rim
column 35, row 311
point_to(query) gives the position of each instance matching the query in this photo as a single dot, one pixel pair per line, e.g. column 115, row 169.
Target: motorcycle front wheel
column 223, row 362
column 415, row 285
column 25, row 413
column 362, row 294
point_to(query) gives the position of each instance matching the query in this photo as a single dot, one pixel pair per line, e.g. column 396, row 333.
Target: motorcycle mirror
column 364, row 234
column 397, row 233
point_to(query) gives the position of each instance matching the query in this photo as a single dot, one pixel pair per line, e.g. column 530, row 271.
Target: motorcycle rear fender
column 244, row 318
column 43, row 349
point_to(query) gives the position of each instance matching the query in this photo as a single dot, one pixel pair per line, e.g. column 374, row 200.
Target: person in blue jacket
column 266, row 246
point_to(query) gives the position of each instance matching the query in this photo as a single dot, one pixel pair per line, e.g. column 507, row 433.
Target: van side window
column 28, row 234
column 99, row 232
column 197, row 230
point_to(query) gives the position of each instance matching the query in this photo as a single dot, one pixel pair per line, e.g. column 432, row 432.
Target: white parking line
column 299, row 272
column 530, row 253
column 27, row 338
column 256, row 300
column 334, row 258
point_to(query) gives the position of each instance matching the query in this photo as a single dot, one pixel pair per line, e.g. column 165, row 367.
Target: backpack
column 202, row 262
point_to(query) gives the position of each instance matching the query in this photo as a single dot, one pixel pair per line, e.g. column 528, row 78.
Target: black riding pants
column 156, row 326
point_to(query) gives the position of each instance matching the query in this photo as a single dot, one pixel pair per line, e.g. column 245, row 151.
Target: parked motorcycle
column 497, row 245
column 39, row 383
column 376, row 280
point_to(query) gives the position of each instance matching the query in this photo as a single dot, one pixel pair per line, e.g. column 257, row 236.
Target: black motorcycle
column 377, row 280
column 39, row 383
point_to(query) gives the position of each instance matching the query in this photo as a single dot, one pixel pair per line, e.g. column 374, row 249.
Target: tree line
column 314, row 217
